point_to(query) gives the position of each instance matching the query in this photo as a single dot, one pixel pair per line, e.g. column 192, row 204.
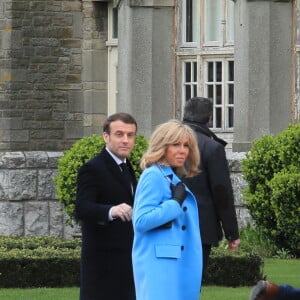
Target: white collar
column 116, row 158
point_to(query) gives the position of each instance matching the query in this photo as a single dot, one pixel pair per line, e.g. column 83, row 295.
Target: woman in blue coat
column 167, row 252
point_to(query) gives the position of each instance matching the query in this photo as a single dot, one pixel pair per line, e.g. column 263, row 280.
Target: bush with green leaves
column 27, row 262
column 234, row 270
column 8, row 243
column 272, row 171
column 81, row 152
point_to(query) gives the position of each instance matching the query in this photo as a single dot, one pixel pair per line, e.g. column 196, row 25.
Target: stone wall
column 238, row 184
column 28, row 206
column 27, row 195
column 40, row 70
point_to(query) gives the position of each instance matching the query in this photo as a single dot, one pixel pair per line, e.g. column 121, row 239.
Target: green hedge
column 53, row 262
column 234, row 270
column 8, row 243
column 27, row 270
column 39, row 262
column 285, row 202
column 272, row 169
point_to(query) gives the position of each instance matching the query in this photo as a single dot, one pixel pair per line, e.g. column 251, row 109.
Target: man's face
column 121, row 138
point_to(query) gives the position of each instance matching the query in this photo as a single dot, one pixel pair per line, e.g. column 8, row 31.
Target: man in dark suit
column 104, row 207
column 212, row 187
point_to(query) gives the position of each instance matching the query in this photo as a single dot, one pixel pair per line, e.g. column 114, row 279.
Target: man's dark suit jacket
column 106, row 245
column 213, row 188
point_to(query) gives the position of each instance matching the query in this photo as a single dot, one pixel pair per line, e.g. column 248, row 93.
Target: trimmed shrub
column 39, row 262
column 81, row 152
column 285, row 202
column 272, row 169
column 234, row 270
column 8, row 243
column 52, row 262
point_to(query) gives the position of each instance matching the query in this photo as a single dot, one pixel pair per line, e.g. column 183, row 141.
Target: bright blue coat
column 167, row 262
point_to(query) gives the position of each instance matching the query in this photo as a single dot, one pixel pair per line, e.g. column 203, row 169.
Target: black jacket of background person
column 213, row 188
column 100, row 181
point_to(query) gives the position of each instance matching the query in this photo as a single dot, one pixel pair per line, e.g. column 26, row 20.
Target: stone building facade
column 52, row 91
column 66, row 65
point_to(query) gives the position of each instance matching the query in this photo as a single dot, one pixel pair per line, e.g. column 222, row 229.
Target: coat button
column 184, row 208
column 183, row 227
column 182, row 248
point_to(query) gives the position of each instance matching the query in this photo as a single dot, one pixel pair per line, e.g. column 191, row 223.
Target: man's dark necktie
column 127, row 174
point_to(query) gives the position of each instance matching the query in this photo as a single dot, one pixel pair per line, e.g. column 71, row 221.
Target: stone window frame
column 200, row 53
column 112, row 64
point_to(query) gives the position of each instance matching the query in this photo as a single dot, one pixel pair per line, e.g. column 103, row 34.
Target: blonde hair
column 167, row 134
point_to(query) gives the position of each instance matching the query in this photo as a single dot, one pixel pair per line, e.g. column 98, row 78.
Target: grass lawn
column 280, row 271
column 283, row 271
column 40, row 294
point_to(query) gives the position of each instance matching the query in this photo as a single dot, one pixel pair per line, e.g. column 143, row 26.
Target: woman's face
column 177, row 153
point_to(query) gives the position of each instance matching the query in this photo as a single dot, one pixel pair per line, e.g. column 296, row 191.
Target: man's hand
column 122, row 211
column 233, row 245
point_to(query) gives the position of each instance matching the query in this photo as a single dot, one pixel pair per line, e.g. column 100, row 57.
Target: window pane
column 230, row 21
column 213, row 20
column 195, row 71
column 210, row 75
column 230, row 93
column 195, row 20
column 231, row 71
column 219, row 71
column 194, row 91
column 218, row 117
column 187, row 92
column 210, row 91
column 189, row 20
column 188, row 72
column 115, row 23
column 230, row 117
column 219, row 94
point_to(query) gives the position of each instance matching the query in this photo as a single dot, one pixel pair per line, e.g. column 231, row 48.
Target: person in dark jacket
column 104, row 200
column 266, row 290
column 212, row 187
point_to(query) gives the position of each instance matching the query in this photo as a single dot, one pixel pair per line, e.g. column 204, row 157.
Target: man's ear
column 105, row 137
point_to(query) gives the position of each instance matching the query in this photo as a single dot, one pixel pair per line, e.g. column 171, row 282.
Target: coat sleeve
column 153, row 205
column 221, row 188
column 89, row 190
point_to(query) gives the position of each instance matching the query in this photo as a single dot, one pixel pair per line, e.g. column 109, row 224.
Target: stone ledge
column 29, row 159
column 152, row 3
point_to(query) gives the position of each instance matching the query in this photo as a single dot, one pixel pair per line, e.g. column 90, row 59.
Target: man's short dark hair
column 122, row 116
column 198, row 109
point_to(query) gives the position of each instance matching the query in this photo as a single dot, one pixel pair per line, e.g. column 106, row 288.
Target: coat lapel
column 116, row 171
